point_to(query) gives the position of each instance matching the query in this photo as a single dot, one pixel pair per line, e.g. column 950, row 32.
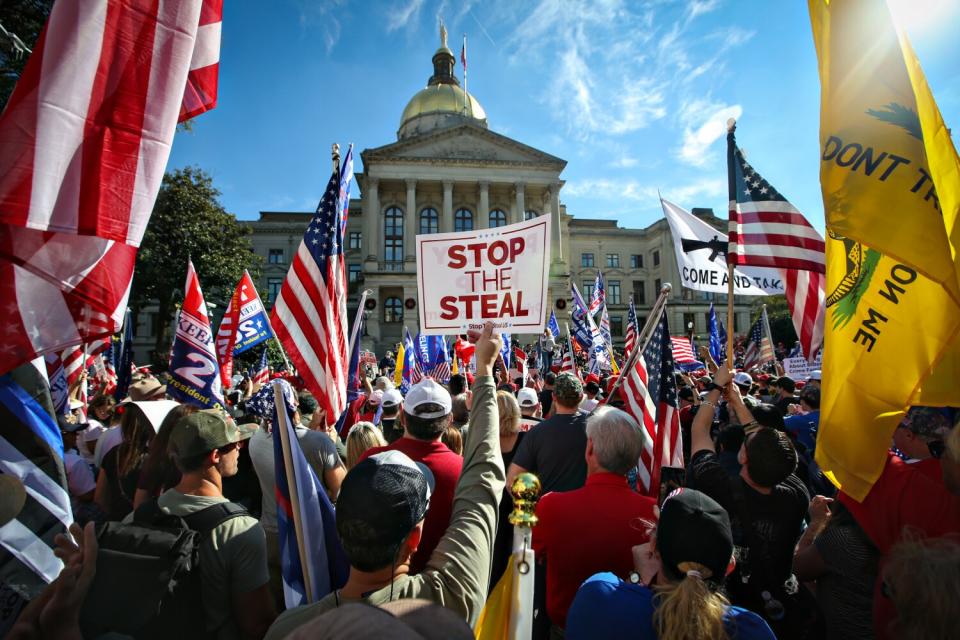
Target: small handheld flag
column 194, row 374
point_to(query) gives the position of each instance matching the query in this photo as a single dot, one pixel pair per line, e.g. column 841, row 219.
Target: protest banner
column 701, row 260
column 500, row 275
column 798, row 368
column 368, row 357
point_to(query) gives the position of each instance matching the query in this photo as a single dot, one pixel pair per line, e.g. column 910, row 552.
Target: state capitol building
column 448, row 171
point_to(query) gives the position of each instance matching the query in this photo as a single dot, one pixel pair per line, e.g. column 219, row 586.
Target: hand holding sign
column 466, row 279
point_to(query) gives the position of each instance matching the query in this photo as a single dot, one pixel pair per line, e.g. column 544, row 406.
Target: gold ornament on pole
column 525, row 491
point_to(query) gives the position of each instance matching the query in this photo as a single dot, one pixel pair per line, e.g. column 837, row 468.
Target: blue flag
column 194, row 369
column 411, row 371
column 328, row 564
column 718, row 337
column 124, row 359
column 506, row 351
column 553, row 325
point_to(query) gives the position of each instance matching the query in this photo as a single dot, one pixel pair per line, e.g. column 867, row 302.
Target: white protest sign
column 798, row 369
column 701, row 258
column 468, row 278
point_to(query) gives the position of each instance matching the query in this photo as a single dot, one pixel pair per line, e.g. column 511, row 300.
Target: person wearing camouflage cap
column 555, row 448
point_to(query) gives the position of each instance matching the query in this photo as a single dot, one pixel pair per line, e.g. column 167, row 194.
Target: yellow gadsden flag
column 891, row 194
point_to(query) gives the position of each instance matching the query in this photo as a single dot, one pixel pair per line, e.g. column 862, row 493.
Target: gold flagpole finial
column 525, row 491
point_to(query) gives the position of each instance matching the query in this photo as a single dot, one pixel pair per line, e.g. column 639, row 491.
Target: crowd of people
column 750, row 541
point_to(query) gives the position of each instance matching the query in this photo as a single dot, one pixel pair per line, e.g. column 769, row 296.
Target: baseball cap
column 928, row 422
column 383, row 498
column 814, row 375
column 527, row 397
column 391, row 398
column 694, row 528
column 70, row 427
column 743, row 379
column 375, row 398
column 567, row 389
column 204, row 431
column 146, row 389
column 428, row 391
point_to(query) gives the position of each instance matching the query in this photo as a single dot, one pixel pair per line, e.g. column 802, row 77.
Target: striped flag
column 310, row 314
column 569, row 362
column 201, row 92
column 84, row 141
column 683, row 350
column 31, row 450
column 441, row 370
column 758, row 349
column 301, row 498
column 262, row 374
column 633, row 331
column 767, row 231
column 649, row 393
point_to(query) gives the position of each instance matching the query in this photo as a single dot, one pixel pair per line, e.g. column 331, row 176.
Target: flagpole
column 645, row 335
column 354, row 333
column 285, row 430
column 766, row 327
column 731, row 127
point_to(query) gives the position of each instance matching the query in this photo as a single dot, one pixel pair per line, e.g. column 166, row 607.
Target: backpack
column 148, row 582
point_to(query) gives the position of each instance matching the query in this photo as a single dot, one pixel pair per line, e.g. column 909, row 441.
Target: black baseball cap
column 693, row 527
column 383, row 498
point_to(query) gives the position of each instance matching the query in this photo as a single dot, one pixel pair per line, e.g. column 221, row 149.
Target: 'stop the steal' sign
column 500, row 275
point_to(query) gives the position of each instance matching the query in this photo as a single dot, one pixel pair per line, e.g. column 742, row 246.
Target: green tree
column 188, row 222
column 781, row 322
column 23, row 19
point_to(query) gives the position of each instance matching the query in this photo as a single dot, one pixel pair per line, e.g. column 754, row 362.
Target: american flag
column 599, row 294
column 758, row 349
column 767, row 231
column 633, row 330
column 683, row 350
column 441, row 370
column 227, row 333
column 84, row 142
column 262, row 374
column 569, row 362
column 649, row 394
column 310, row 314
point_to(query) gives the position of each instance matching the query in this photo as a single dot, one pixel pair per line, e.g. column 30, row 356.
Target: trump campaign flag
column 553, row 325
column 84, row 141
column 194, row 374
column 889, row 176
column 245, row 324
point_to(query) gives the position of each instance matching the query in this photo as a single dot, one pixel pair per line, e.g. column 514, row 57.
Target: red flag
column 227, row 333
column 84, row 141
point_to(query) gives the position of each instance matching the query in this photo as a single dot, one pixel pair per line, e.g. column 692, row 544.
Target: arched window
column 529, row 214
column 463, row 220
column 497, row 218
column 429, row 221
column 393, row 310
column 393, row 234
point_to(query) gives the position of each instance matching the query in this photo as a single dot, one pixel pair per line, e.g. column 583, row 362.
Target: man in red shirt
column 908, row 500
column 425, row 416
column 594, row 528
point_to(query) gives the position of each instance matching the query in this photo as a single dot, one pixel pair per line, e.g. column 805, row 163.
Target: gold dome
column 442, row 98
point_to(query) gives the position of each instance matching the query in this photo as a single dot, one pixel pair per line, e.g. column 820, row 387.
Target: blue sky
column 632, row 94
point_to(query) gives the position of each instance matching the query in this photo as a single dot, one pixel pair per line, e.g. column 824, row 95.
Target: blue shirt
column 805, row 428
column 607, row 608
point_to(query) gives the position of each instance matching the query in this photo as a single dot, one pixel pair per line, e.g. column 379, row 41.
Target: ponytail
column 688, row 609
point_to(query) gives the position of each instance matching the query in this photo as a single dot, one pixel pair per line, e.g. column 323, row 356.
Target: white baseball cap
column 424, row 392
column 391, row 397
column 814, row 375
column 743, row 379
column 527, row 397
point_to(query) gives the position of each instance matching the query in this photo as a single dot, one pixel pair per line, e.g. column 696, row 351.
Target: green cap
column 568, row 389
column 204, row 431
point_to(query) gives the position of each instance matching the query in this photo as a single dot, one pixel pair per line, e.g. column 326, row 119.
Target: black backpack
column 148, row 582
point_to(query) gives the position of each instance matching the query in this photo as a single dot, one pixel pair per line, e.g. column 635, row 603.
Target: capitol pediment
column 463, row 144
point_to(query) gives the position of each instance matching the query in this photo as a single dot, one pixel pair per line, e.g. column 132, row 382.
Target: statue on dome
column 443, row 35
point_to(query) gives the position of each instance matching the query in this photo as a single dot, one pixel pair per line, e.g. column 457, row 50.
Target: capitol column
column 446, row 221
column 371, row 214
column 557, row 253
column 483, row 215
column 410, row 221
column 516, row 215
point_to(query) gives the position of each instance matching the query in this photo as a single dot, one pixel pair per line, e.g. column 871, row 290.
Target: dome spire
column 443, row 62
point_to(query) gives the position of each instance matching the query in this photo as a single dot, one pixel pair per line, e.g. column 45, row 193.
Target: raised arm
column 458, row 572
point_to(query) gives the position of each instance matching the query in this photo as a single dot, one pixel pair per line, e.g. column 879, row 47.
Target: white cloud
column 402, row 16
column 700, row 7
column 624, row 162
column 634, row 190
column 704, row 123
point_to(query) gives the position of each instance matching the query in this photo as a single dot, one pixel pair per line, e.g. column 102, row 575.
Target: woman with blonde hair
column 510, row 437
column 674, row 593
column 362, row 436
